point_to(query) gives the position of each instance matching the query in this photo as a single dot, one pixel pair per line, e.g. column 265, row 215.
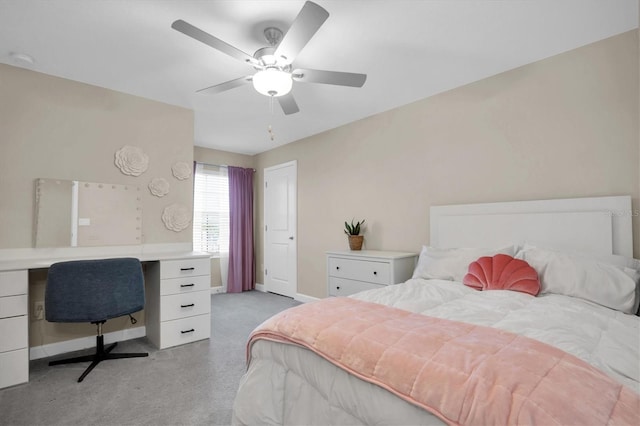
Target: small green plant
column 353, row 229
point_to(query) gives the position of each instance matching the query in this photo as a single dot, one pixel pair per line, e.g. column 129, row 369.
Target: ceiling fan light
column 272, row 82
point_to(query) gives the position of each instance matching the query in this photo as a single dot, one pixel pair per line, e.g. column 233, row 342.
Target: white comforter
column 288, row 384
column 606, row 339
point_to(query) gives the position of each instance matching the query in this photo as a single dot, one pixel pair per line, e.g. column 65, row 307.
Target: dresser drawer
column 13, row 306
column 186, row 330
column 185, row 267
column 185, row 284
column 14, row 333
column 185, row 305
column 13, row 282
column 14, row 367
column 343, row 287
column 361, row 270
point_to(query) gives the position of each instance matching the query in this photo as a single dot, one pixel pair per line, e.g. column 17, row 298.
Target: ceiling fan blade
column 231, row 84
column 288, row 104
column 308, row 21
column 206, row 38
column 329, row 77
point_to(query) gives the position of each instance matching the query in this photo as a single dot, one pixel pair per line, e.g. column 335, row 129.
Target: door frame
column 293, row 163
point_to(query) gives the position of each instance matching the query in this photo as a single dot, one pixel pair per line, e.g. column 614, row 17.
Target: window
column 211, row 209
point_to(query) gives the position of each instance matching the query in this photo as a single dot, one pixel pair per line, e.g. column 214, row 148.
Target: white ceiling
column 410, row 49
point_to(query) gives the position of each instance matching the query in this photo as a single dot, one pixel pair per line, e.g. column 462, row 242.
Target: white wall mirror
column 71, row 213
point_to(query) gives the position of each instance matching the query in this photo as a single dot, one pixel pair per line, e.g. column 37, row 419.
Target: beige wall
column 222, row 158
column 56, row 128
column 559, row 128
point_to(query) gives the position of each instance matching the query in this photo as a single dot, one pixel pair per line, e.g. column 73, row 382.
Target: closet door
column 280, row 218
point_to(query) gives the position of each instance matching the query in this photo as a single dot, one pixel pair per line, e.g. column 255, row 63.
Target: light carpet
column 186, row 385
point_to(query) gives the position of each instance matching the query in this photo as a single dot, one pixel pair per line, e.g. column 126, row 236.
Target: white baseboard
column 51, row 349
column 299, row 296
column 304, row 298
column 217, row 289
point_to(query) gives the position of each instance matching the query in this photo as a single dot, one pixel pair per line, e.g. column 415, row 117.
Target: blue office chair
column 94, row 291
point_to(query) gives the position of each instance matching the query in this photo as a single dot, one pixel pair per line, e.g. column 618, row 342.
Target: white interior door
column 280, row 219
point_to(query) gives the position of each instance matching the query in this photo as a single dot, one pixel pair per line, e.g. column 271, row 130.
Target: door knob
column 291, row 238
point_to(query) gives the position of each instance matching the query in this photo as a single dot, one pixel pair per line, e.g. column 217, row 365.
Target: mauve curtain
column 242, row 271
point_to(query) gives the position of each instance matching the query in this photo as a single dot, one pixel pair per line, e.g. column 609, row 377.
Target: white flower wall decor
column 159, row 187
column 176, row 217
column 181, row 170
column 131, row 160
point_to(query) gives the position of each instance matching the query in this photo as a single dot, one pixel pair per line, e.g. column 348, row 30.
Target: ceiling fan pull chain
column 271, row 135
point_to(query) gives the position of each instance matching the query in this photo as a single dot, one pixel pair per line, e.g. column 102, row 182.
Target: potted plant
column 353, row 232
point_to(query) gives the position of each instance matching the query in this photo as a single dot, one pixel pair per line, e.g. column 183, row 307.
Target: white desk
column 177, row 300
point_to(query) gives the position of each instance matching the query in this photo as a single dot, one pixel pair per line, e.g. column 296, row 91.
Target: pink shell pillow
column 502, row 272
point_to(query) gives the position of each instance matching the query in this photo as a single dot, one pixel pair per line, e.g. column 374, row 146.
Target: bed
column 436, row 350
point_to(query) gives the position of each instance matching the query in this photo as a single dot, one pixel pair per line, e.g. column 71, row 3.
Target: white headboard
column 600, row 225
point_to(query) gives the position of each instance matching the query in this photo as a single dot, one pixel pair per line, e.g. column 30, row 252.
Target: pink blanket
column 463, row 373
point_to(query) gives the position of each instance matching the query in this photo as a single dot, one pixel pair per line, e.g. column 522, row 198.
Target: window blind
column 211, row 209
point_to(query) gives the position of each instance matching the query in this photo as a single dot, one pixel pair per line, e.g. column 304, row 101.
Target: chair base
column 101, row 354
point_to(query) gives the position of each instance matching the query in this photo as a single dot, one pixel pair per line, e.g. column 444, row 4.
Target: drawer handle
column 338, row 288
column 187, row 331
column 186, row 285
column 187, row 306
column 337, row 267
column 375, row 273
column 187, row 269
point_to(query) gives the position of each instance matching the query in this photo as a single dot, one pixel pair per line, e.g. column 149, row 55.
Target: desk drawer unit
column 185, row 268
column 14, row 328
column 185, row 330
column 350, row 272
column 176, row 306
column 180, row 311
column 13, row 306
column 185, row 285
column 14, row 332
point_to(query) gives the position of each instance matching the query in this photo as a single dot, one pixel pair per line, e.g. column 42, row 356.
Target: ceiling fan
column 275, row 73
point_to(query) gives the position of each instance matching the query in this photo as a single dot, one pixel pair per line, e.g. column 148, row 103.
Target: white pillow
column 635, row 275
column 591, row 278
column 613, row 259
column 451, row 264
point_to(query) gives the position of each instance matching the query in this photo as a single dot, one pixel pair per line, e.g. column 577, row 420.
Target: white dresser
column 349, row 272
column 14, row 328
column 178, row 311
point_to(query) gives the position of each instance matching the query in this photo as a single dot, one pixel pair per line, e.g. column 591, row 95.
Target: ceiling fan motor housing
column 266, row 58
column 273, row 35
